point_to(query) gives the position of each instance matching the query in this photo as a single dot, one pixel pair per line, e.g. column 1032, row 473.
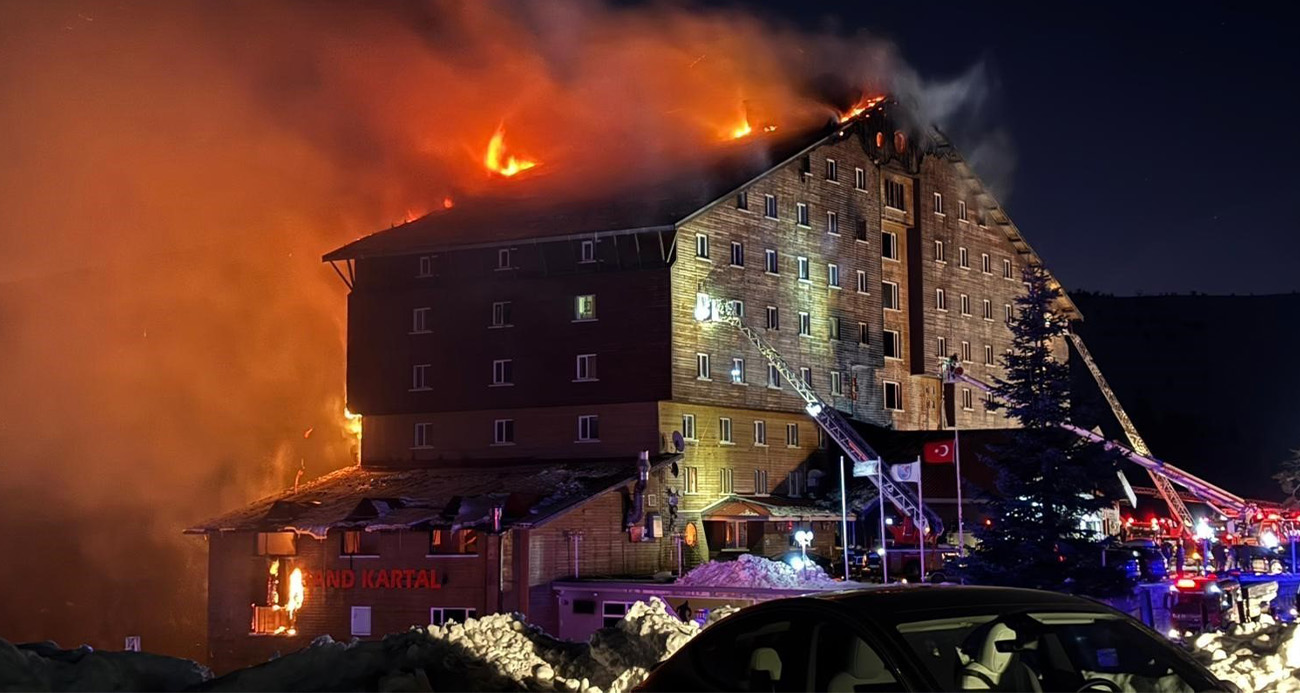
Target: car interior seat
column 992, row 669
column 764, row 669
column 865, row 671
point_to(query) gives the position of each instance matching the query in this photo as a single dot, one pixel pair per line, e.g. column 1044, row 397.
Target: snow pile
column 45, row 667
column 758, row 572
column 1262, row 657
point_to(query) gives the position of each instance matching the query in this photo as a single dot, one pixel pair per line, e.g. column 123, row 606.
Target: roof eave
column 343, row 253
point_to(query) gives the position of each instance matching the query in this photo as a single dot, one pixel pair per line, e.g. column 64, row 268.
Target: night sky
column 1156, row 144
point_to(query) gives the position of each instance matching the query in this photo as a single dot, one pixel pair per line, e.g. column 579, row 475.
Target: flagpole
column 925, row 522
column 884, row 550
column 844, row 516
column 956, row 456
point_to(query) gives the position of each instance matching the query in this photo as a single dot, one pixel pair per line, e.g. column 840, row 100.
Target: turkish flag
column 939, row 451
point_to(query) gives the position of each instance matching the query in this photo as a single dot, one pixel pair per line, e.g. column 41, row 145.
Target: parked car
column 1151, row 561
column 931, row 638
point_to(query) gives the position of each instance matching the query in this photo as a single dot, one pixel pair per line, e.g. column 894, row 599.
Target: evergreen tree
column 1048, row 480
column 1288, row 477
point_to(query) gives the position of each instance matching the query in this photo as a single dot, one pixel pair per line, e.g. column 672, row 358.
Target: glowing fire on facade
column 860, row 107
column 497, row 161
column 286, row 615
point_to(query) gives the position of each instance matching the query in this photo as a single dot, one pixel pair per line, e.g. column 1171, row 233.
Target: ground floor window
column 361, row 620
column 737, row 536
column 613, row 612
column 441, row 615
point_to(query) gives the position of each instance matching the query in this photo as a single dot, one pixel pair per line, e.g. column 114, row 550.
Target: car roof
column 898, row 600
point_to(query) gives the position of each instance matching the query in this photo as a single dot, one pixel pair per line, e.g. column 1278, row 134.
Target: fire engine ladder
column 825, row 415
column 1211, row 494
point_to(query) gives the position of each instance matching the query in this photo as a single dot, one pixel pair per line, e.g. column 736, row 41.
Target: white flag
column 866, row 468
column 910, row 472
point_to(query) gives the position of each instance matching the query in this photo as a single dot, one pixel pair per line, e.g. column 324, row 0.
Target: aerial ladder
column 709, row 309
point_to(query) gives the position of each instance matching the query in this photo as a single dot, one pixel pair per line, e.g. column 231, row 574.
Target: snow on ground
column 45, row 667
column 756, row 571
column 1264, row 657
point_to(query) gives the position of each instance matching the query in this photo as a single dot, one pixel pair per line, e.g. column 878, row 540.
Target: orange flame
column 861, row 107
column 297, row 593
column 448, row 203
column 493, row 158
column 741, row 131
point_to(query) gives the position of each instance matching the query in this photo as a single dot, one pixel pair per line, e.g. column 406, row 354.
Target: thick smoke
column 171, row 172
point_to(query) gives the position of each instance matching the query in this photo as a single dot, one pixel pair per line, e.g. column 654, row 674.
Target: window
column 805, row 166
column 1006, row 269
column 586, row 367
column 690, row 480
column 420, row 376
column 967, row 400
column 588, row 428
column 894, row 195
column 890, row 298
column 587, row 252
column 277, row 544
column 939, row 254
column 773, row 318
column 737, row 254
column 801, row 213
column 837, row 383
column 453, row 542
column 832, row 171
column 965, row 352
column 359, row 543
column 738, row 371
column 426, row 266
column 501, row 314
column 938, row 204
column 893, row 396
column 769, row 206
column 859, row 179
column 701, row 246
column 833, row 276
column 963, row 258
column 742, row 200
column 760, row 433
column 833, row 223
column 804, row 272
column 442, row 615
column 965, row 304
column 862, row 281
column 986, row 263
column 805, row 374
column 805, row 325
column 860, row 230
column 773, row 377
column 724, row 431
column 360, row 621
column 794, row 483
column 770, row 262
column 888, row 245
column 688, row 426
column 833, row 327
column 942, row 344
column 421, row 437
column 737, row 308
column 503, row 432
column 792, row 435
column 988, row 309
column 727, row 480
column 863, row 334
column 822, row 441
column 737, row 536
column 613, row 612
column 940, row 299
column 893, row 345
column 961, row 210
column 1006, row 312
column 760, row 482
column 988, row 355
column 503, row 372
column 584, row 307
column 702, row 367
column 505, row 258
column 420, row 321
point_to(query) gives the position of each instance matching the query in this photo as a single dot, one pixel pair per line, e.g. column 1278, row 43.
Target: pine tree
column 1048, row 480
column 1288, row 477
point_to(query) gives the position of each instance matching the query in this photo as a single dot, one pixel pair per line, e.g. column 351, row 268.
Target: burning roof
column 447, row 496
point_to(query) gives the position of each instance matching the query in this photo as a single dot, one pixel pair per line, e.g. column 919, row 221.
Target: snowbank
column 758, row 572
column 45, row 667
column 1262, row 657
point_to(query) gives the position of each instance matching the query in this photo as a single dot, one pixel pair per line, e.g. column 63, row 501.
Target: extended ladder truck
column 709, row 309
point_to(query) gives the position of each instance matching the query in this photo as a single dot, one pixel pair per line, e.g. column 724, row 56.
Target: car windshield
column 1048, row 651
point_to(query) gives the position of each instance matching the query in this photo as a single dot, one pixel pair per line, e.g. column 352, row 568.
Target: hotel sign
column 391, row 579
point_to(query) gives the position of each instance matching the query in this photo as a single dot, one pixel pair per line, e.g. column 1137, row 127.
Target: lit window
column 426, row 266
column 421, row 437
column 501, row 314
column 724, row 431
column 895, row 196
column 701, row 246
column 420, row 376
column 702, row 366
column 742, row 200
column 888, row 245
column 965, row 304
column 503, row 372
column 586, row 367
column 688, row 426
column 588, row 428
column 938, row 204
column 505, row 258
column 963, row 258
column 773, row 318
column 965, row 352
column 833, row 276
column 773, row 377
column 832, row 171
column 441, row 615
column 737, row 535
column 940, row 255
column 986, row 263
column 837, row 383
column 890, row 295
column 738, row 371
column 277, row 544
column 359, row 543
column 454, row 542
column 804, row 274
column 833, row 223
column 893, row 396
column 801, row 213
column 760, row 433
column 942, row 343
column 503, row 432
column 792, row 435
column 940, row 299
column 769, row 206
column 737, row 254
column 805, row 325
column 859, row 179
column 726, row 480
column 584, row 307
column 690, row 480
column 760, row 483
column 893, row 345
column 420, row 320
column 770, row 261
column 961, row 210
